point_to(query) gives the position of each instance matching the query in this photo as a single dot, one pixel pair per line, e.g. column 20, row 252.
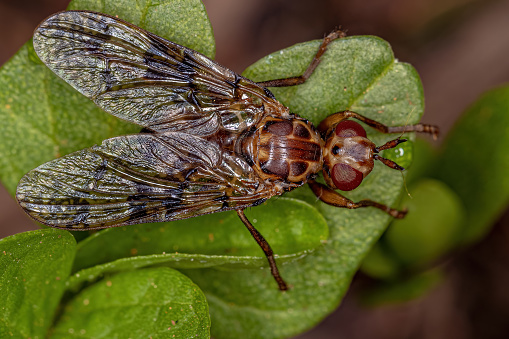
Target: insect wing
column 128, row 180
column 145, row 79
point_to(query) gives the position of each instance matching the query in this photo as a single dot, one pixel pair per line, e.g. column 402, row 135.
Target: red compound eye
column 345, row 177
column 349, row 128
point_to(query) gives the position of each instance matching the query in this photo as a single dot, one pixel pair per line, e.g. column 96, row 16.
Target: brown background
column 459, row 47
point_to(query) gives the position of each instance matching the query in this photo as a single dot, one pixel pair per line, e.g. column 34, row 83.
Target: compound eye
column 345, row 177
column 349, row 128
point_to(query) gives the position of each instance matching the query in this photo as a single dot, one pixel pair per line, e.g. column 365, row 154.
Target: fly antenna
column 389, row 144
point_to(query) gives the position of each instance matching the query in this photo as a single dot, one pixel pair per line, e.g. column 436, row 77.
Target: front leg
column 336, row 34
column 332, row 120
column 331, row 197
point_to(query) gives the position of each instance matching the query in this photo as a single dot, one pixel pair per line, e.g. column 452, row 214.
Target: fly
column 211, row 140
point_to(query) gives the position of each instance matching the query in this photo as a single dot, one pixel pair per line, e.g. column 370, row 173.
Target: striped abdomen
column 288, row 150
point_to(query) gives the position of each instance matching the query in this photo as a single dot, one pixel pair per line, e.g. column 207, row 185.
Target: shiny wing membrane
column 145, row 79
column 175, row 172
column 136, row 179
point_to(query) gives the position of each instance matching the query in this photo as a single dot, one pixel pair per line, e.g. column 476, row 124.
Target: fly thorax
column 288, row 149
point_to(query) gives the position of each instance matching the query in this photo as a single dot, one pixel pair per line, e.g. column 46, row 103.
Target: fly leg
column 336, row 34
column 331, row 197
column 266, row 249
column 332, row 120
column 335, row 118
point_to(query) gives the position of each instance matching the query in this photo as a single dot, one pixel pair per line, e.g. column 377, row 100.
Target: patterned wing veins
column 145, row 79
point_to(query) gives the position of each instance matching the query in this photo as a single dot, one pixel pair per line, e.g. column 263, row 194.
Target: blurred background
column 459, row 48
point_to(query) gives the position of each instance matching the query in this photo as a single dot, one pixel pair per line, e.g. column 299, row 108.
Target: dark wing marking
column 145, row 79
column 136, row 179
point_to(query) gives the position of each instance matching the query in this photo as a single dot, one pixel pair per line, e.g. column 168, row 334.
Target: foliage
column 458, row 193
column 111, row 283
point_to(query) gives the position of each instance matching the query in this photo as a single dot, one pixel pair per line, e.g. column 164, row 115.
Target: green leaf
column 424, row 157
column 211, row 241
column 474, row 162
column 184, row 22
column 380, row 263
column 402, row 154
column 44, row 118
column 431, row 228
column 219, row 234
column 149, row 303
column 357, row 73
column 375, row 85
column 34, row 267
